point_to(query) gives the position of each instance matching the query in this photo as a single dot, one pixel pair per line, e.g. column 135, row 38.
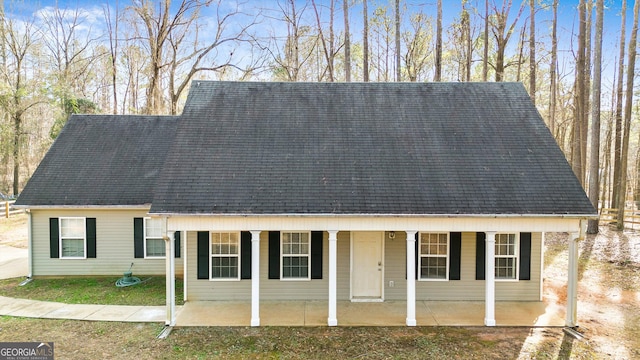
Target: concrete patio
column 388, row 313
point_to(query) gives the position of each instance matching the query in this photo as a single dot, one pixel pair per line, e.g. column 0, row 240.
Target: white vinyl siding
column 467, row 288
column 433, row 255
column 114, row 245
column 73, row 238
column 154, row 245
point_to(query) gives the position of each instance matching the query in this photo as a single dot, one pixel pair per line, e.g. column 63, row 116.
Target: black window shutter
column 138, row 238
column 525, row 256
column 455, row 252
column 245, row 255
column 480, row 254
column 177, row 245
column 90, row 225
column 203, row 255
column 316, row 254
column 274, row 255
column 54, row 239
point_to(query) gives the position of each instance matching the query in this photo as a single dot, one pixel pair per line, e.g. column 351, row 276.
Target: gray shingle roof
column 102, row 160
column 365, row 148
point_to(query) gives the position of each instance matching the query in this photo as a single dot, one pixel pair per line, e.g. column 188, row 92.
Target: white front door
column 367, row 268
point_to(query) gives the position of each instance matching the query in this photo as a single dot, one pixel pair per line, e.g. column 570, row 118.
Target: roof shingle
column 365, row 148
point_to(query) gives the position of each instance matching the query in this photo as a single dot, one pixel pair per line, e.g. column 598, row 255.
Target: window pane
column 295, row 267
column 433, row 268
column 72, row 247
column 224, row 267
column 72, row 228
column 153, row 228
column 155, row 247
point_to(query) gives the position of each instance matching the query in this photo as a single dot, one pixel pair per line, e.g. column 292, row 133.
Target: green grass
column 91, row 290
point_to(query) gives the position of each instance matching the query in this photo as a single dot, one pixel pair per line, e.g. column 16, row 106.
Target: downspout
column 170, row 271
column 30, row 237
column 29, row 249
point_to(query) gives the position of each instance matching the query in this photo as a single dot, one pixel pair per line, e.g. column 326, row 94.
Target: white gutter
column 98, row 207
column 485, row 216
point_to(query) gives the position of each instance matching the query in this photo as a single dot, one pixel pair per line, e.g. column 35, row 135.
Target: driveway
column 13, row 262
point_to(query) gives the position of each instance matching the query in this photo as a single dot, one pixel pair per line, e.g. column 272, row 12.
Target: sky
column 567, row 15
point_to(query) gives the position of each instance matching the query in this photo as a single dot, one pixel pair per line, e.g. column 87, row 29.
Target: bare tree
column 20, row 94
column 299, row 46
column 552, row 69
column 365, row 42
column 398, row 51
column 594, row 155
column 532, row 50
column 327, row 45
column 347, row 42
column 502, row 32
column 485, row 58
column 617, row 162
column 418, row 51
column 438, row 75
column 579, row 123
column 112, row 33
column 627, row 116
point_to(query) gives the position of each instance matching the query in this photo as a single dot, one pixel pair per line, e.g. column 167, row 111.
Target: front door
column 367, row 268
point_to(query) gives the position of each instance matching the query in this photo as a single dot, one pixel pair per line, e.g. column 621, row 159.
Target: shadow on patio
column 388, row 313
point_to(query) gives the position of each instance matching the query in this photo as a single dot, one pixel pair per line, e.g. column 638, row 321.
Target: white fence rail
column 9, row 210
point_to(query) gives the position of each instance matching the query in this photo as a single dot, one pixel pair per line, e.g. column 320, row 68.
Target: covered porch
column 388, row 313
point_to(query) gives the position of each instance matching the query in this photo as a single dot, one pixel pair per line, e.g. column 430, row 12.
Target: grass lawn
column 91, row 290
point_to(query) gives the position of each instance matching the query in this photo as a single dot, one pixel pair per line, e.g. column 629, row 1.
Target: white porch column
column 333, row 276
column 490, row 279
column 572, row 281
column 411, row 278
column 255, row 278
column 170, row 261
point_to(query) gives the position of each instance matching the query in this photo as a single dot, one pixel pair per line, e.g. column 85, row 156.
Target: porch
column 388, row 313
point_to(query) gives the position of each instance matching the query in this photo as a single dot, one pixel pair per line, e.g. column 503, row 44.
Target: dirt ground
column 608, row 291
column 13, row 232
column 608, row 314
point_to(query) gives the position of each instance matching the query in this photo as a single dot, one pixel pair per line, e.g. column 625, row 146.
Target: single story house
column 314, row 191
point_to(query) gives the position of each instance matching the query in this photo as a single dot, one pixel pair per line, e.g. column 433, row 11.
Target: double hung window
column 225, row 256
column 154, row 246
column 434, row 256
column 73, row 238
column 296, row 255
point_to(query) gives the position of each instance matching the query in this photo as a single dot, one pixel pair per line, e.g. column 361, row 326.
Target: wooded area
column 139, row 57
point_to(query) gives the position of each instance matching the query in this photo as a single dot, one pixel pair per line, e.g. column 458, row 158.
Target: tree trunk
column 485, row 57
column 365, row 42
column 627, row 116
column 617, row 157
column 398, row 70
column 579, row 88
column 347, row 42
column 532, row 51
column 438, row 76
column 552, row 69
column 594, row 154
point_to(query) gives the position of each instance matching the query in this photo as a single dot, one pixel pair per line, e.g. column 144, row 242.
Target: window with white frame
column 225, row 256
column 296, row 260
column 73, row 238
column 434, row 256
column 154, row 246
column 506, row 259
